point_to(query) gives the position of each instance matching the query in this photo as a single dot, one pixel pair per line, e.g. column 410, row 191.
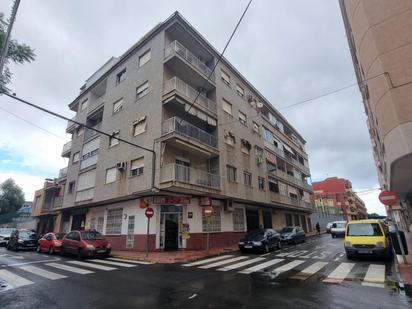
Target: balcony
column 183, row 62
column 280, row 198
column 291, row 179
column 63, row 173
column 174, row 173
column 58, row 202
column 71, row 126
column 188, row 94
column 89, row 161
column 67, row 149
column 89, row 133
column 189, row 135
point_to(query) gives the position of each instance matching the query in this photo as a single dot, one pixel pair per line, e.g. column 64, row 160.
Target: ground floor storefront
column 178, row 222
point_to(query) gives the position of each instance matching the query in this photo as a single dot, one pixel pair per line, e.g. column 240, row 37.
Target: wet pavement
column 315, row 274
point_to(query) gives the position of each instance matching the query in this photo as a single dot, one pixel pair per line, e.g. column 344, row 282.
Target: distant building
column 335, row 196
column 379, row 35
column 24, row 219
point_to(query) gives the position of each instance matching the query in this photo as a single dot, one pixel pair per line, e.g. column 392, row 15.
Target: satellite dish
column 259, row 104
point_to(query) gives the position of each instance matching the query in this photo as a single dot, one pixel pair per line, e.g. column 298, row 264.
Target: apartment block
column 335, row 196
column 199, row 138
column 379, row 34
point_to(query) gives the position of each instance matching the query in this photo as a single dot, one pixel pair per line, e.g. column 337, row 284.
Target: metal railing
column 282, row 154
column 67, row 147
column 89, row 161
column 291, row 179
column 70, row 124
column 178, row 48
column 63, row 172
column 176, row 172
column 90, row 133
column 180, row 86
column 58, row 202
column 174, row 124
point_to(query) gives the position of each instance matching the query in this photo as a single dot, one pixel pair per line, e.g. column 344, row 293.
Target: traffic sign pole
column 149, row 212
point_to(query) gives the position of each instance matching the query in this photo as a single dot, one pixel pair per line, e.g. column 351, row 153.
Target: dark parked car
column 22, row 240
column 260, row 240
column 292, row 234
column 87, row 243
column 5, row 233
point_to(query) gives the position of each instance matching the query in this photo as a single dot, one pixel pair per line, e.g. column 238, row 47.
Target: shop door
column 252, row 220
column 267, row 219
column 78, row 222
column 171, row 221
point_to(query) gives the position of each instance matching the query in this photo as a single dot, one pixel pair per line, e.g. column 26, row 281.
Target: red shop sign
column 171, row 200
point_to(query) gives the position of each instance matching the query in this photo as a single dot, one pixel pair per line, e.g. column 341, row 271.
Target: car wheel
column 80, row 254
column 333, row 236
column 8, row 247
column 279, row 245
column 349, row 256
column 62, row 251
column 51, row 250
column 38, row 250
column 266, row 248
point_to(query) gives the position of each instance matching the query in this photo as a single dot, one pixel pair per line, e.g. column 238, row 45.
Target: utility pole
column 5, row 48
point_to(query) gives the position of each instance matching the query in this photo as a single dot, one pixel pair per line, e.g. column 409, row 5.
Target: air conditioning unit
column 121, row 166
column 228, row 206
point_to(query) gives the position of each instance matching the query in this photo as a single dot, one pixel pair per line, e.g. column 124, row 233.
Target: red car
column 88, row 243
column 50, row 243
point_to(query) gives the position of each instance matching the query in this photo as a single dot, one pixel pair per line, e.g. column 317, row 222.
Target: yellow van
column 367, row 237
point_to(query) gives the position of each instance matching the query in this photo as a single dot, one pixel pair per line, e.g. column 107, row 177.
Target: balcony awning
column 201, row 115
column 270, row 157
column 287, row 148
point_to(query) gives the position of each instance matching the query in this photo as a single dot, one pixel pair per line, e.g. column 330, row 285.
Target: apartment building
column 379, row 35
column 231, row 150
column 335, row 196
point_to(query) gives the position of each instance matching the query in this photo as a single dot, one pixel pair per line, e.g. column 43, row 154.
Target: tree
column 11, row 197
column 19, row 53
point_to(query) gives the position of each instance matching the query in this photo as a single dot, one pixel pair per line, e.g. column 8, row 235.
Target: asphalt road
column 315, row 274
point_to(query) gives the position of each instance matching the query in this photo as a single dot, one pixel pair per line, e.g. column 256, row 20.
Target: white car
column 338, row 229
column 5, row 233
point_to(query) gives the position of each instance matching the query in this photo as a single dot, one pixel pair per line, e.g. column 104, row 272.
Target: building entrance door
column 267, row 219
column 252, row 219
column 171, row 231
column 78, row 222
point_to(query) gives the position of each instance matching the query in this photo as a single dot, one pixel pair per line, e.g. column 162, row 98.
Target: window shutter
column 90, row 146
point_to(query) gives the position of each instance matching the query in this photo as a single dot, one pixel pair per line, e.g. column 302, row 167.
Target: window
column 245, row 146
column 137, row 167
column 261, row 183
column 114, row 221
column 238, row 219
column 256, row 127
column 121, row 76
column 145, row 58
column 76, row 157
column 225, row 77
column 117, row 106
column 80, row 131
column 142, row 90
column 227, row 107
column 258, row 155
column 231, row 173
column 84, row 104
column 99, row 226
column 242, row 118
column 230, row 138
column 240, row 91
column 267, row 135
column 273, row 186
column 93, row 223
column 72, row 185
column 212, row 223
column 111, row 175
column 113, row 140
column 85, row 186
column 91, row 148
column 247, row 179
column 139, row 126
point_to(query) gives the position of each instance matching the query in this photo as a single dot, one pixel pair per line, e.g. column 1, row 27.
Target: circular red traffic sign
column 207, row 211
column 149, row 212
column 388, row 198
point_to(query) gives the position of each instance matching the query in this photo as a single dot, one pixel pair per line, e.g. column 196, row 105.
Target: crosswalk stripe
column 130, row 261
column 13, row 280
column 340, row 273
column 286, row 253
column 70, row 268
column 309, row 271
column 42, row 272
column 220, row 263
column 288, row 266
column 375, row 276
column 240, row 264
column 260, row 266
column 218, row 258
column 112, row 263
column 91, row 265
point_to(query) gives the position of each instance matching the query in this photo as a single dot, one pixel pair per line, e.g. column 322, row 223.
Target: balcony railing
column 178, row 48
column 67, row 147
column 63, row 173
column 58, row 202
column 70, row 124
column 282, row 154
column 291, row 179
column 90, row 133
column 174, row 124
column 89, row 161
column 176, row 172
column 180, row 86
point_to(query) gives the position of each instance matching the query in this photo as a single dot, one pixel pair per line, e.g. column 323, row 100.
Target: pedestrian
column 317, row 228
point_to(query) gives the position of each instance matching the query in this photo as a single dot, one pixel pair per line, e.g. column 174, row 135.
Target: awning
column 270, row 157
column 287, row 148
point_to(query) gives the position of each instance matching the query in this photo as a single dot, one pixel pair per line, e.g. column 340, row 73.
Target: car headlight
column 90, row 247
column 241, row 242
column 20, row 241
column 380, row 244
column 257, row 243
column 348, row 244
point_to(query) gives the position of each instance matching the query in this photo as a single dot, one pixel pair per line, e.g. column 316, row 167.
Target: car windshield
column 6, row 231
column 92, row 236
column 340, row 225
column 59, row 236
column 287, row 230
column 27, row 235
column 364, row 229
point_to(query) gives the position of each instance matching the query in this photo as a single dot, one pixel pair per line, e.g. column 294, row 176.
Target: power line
column 219, row 59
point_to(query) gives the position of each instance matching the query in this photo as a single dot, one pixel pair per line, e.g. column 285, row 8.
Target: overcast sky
column 290, row 50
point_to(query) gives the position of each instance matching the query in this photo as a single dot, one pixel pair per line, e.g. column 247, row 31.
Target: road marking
column 339, row 256
column 218, row 258
column 260, row 266
column 11, row 256
column 112, row 263
column 375, row 276
column 35, row 262
column 266, row 254
column 309, row 271
column 101, row 267
column 340, row 273
column 220, row 263
column 296, row 254
column 286, row 253
column 241, row 264
column 130, row 261
column 192, row 296
column 42, row 272
column 287, row 266
column 12, row 279
column 70, row 268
